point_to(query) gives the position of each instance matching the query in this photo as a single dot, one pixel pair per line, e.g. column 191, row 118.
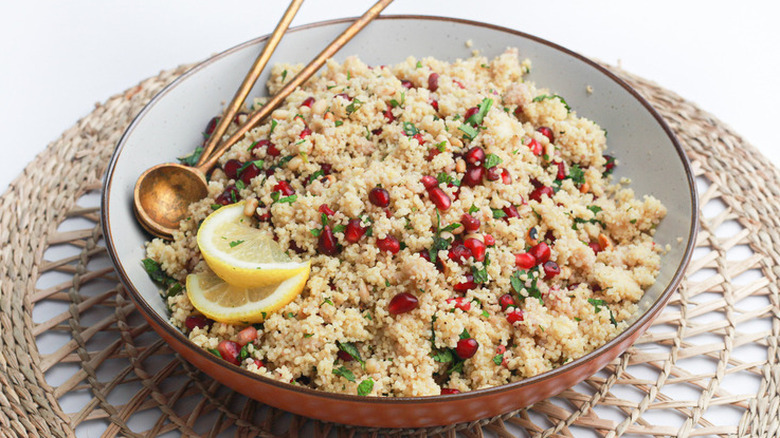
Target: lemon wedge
column 230, row 304
column 242, row 255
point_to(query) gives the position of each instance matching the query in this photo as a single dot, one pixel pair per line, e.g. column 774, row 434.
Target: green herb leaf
column 345, row 373
column 338, row 123
column 441, row 146
column 315, row 232
column 350, row 349
column 192, row 159
column 410, row 129
column 365, row 387
column 273, row 126
column 498, row 359
column 215, row 207
column 327, row 300
column 498, row 213
column 451, row 227
column 215, row 352
column 595, row 209
column 481, row 275
column 284, row 75
column 257, row 163
column 240, row 185
column 468, row 131
column 308, row 335
column 354, row 106
column 465, row 334
column 443, row 356
column 174, row 290
column 316, row 175
column 474, row 209
column 576, row 174
column 235, row 243
column 244, row 353
column 552, row 96
column 492, row 160
column 339, row 228
column 484, row 107
column 288, row 199
column 419, row 64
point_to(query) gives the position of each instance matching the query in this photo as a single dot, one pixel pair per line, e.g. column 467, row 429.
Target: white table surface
column 58, row 59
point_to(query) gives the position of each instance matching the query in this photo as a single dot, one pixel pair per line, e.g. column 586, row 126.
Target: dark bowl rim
column 648, row 315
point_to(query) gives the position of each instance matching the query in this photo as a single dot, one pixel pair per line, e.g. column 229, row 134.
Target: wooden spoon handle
column 249, row 80
column 256, row 117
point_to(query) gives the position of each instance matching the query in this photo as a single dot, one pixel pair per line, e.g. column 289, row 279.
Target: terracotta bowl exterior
column 171, row 126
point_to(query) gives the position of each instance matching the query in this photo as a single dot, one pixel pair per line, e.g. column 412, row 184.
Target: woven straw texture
column 76, row 358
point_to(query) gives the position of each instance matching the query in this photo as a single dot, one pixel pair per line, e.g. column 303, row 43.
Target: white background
column 59, row 58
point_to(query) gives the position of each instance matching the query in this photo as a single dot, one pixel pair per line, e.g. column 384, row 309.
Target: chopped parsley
column 284, row 75
column 192, row 159
column 484, row 107
column 410, row 129
column 156, row 273
column 552, row 96
column 354, row 106
column 316, row 175
column 244, row 353
column 473, row 209
column 215, row 207
column 365, row 387
column 443, row 356
column 468, row 131
column 240, row 185
column 498, row 359
column 273, row 126
column 576, row 174
column 258, row 163
column 345, row 373
column 235, row 243
column 439, row 243
column 598, row 305
column 492, row 160
column 286, row 200
column 350, row 349
column 481, row 275
column 498, row 213
column 419, row 64
column 215, row 352
column 396, row 103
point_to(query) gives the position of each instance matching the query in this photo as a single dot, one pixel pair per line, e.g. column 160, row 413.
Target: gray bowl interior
column 172, row 124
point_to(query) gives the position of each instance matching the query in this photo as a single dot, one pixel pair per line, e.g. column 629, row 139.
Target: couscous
column 462, row 228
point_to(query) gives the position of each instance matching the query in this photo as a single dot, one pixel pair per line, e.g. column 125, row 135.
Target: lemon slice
column 241, row 254
column 230, row 304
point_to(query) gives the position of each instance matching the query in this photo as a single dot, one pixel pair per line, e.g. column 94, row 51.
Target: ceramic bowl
column 171, row 125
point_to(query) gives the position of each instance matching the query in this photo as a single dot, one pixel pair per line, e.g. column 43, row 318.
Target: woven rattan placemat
column 77, row 359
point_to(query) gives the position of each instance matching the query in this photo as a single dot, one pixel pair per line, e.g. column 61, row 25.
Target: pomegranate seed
column 518, row 111
column 466, row 285
column 469, row 113
column 236, row 118
column 429, row 182
column 407, row 84
column 595, row 247
column 294, row 246
column 246, row 335
column 354, row 231
column 493, row 174
column 259, row 144
column 198, row 321
column 551, row 269
column 272, row 150
column 473, row 176
column 446, row 391
column 435, row 104
column 249, row 173
column 389, row 244
column 433, row 82
column 325, row 209
column 229, row 196
column 420, row 140
column 506, row 177
column 377, row 131
column 461, row 303
column 466, row 348
column 506, row 301
column 525, row 260
column 459, row 253
column 402, row 303
column 511, row 211
column 284, row 188
column 541, row 252
column 459, row 84
column 489, row 240
column 229, row 351
column 477, row 248
column 327, row 242
column 388, row 214
column 535, row 146
column 547, row 132
column 439, row 198
column 211, row 126
column 307, row 103
column 344, row 356
column 389, row 114
column 470, row 223
column 231, row 168
column 345, row 96
column 424, row 254
column 305, row 133
column 537, row 194
column 326, row 168
column 379, row 197
column 259, row 363
column 610, row 163
column 514, row 316
column 456, row 193
column 475, row 156
column 265, row 217
column 561, row 170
